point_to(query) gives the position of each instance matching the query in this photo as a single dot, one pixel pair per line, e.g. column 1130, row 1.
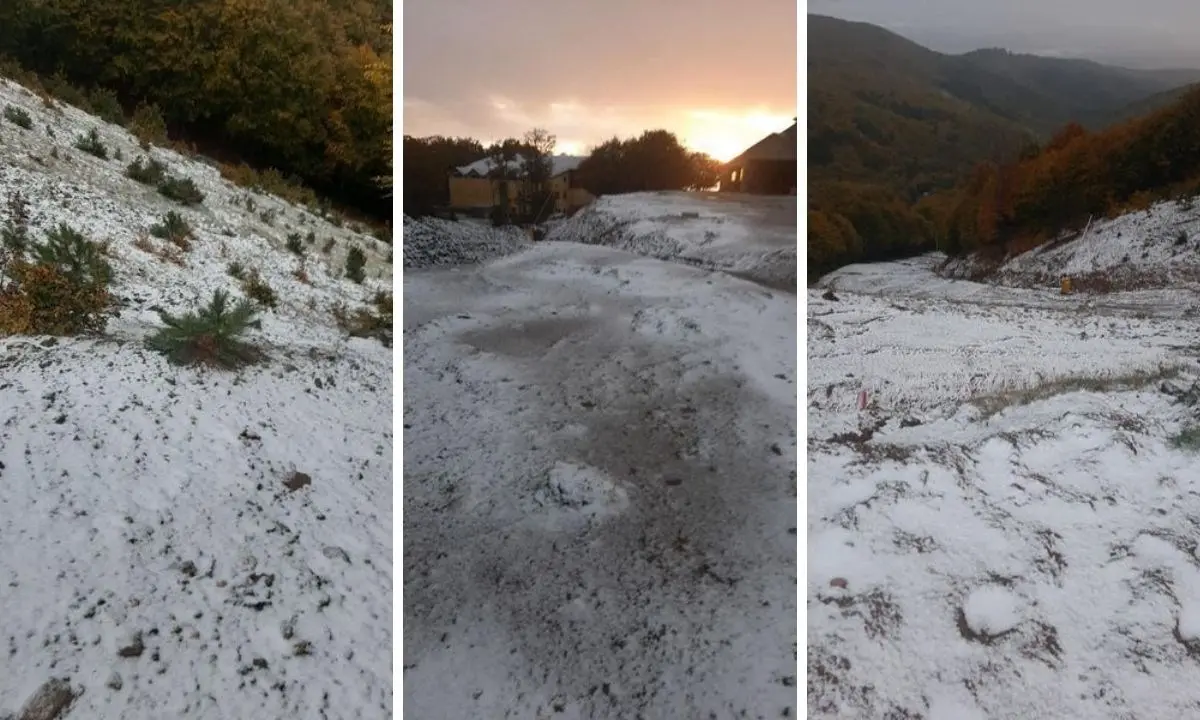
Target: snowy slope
column 1156, row 248
column 600, row 490
column 155, row 556
column 1009, row 529
column 747, row 236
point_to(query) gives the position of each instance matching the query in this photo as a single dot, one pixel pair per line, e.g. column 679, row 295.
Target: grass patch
column 91, row 144
column 209, row 336
column 371, row 322
column 269, row 181
column 236, row 270
column 19, row 117
column 1187, row 439
column 992, row 404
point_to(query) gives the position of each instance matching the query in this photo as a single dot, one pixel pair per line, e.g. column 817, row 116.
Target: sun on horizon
column 724, row 134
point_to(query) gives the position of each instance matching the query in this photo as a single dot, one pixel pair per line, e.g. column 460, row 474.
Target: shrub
column 209, row 336
column 106, row 106
column 311, row 238
column 91, row 144
column 18, row 116
column 149, row 172
column 301, row 272
column 79, row 259
column 64, row 91
column 1181, row 238
column 258, row 290
column 328, row 246
column 148, row 126
column 295, row 244
column 59, row 287
column 268, row 216
column 356, row 263
column 15, row 234
column 236, row 270
column 374, row 322
column 181, row 190
column 175, row 229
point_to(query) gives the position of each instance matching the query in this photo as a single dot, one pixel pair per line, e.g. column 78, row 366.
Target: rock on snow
column 992, row 611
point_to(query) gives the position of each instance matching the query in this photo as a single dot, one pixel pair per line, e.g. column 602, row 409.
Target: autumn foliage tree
column 1078, row 175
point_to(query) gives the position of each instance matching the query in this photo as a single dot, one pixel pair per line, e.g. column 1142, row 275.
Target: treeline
column 303, row 86
column 1076, row 175
column 654, row 160
column 852, row 222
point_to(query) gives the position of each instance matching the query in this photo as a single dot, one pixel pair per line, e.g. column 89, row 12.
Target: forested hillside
column 891, row 123
column 303, row 86
column 1019, row 205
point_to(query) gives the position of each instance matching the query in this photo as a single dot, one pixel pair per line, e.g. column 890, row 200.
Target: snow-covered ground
column 433, row 242
column 1010, row 528
column 1158, row 248
column 155, row 554
column 745, row 235
column 599, row 489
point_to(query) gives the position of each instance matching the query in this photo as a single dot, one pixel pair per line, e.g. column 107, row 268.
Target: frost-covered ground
column 599, row 489
column 1010, row 529
column 1158, row 248
column 745, row 235
column 156, row 557
column 433, row 242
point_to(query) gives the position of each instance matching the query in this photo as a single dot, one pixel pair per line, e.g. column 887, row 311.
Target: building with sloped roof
column 476, row 188
column 768, row 167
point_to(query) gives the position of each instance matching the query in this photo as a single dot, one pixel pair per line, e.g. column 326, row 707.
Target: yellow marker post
column 1066, row 285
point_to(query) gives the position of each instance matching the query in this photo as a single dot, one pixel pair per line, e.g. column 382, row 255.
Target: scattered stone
column 909, row 422
column 50, row 702
column 188, row 568
column 115, row 682
column 133, row 649
column 838, row 582
column 828, row 295
column 674, row 481
column 776, row 449
column 333, row 552
column 297, row 480
column 302, row 648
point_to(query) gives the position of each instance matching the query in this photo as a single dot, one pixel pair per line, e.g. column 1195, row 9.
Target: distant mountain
column 890, row 121
column 885, row 109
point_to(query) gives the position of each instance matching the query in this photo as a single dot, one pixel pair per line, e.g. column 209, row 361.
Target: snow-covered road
column 599, row 489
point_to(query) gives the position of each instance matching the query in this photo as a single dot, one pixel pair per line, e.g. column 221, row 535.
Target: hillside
column 890, row 121
column 1010, row 208
column 187, row 541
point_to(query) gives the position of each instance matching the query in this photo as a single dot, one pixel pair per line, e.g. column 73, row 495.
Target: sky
column 720, row 74
column 1135, row 33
